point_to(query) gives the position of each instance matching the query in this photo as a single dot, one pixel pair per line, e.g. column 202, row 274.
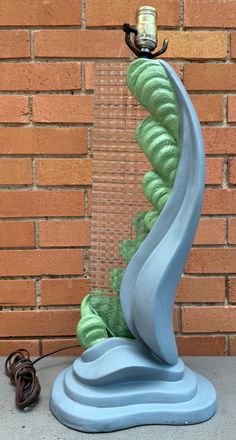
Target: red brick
column 43, row 140
column 7, row 346
column 176, row 318
column 14, row 43
column 232, row 289
column 232, row 231
column 100, row 12
column 201, row 345
column 89, row 76
column 219, row 140
column 195, row 45
column 39, row 323
column 211, row 260
column 66, row 140
column 233, row 45
column 41, row 262
column 17, row 293
column 219, row 201
column 209, row 319
column 210, row 108
column 64, row 291
column 64, row 233
column 232, row 170
column 49, row 345
column 40, row 13
column 201, row 289
column 41, row 203
column 40, row 76
column 210, row 13
column 14, row 109
column 232, row 345
column 15, row 171
column 73, row 43
column 231, row 108
column 17, row 234
column 213, row 76
column 210, row 231
column 214, row 170
column 63, row 108
column 64, row 171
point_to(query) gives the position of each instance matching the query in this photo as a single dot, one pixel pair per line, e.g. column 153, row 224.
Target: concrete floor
column 39, row 424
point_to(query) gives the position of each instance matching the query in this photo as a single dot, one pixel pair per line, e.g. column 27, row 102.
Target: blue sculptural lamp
column 120, row 382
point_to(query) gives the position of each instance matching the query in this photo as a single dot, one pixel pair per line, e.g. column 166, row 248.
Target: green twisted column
column 159, row 138
column 158, row 135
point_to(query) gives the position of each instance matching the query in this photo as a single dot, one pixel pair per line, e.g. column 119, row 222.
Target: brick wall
column 48, row 50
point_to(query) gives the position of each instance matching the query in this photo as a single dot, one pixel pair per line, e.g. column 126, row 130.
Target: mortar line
column 83, row 14
column 32, row 45
column 181, row 14
column 227, row 345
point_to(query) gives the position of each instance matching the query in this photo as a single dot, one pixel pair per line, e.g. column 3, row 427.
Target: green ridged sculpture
column 159, row 138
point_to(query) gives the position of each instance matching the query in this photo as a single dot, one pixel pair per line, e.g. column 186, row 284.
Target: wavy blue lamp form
column 121, row 382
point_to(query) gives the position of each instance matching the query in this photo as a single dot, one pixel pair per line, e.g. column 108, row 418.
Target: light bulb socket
column 146, row 25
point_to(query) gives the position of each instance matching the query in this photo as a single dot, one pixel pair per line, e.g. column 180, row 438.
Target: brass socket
column 146, row 25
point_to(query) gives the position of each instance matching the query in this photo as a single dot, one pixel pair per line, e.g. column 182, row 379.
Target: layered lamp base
column 118, row 384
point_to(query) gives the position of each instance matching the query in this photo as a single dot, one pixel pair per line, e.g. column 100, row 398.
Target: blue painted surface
column 120, row 382
column 150, row 281
column 122, row 385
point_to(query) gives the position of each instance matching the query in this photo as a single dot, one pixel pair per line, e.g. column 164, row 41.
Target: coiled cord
column 20, row 369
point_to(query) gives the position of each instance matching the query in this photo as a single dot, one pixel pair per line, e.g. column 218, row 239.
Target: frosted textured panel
column 118, row 168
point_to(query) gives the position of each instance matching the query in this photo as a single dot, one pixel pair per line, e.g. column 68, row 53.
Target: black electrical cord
column 20, row 369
